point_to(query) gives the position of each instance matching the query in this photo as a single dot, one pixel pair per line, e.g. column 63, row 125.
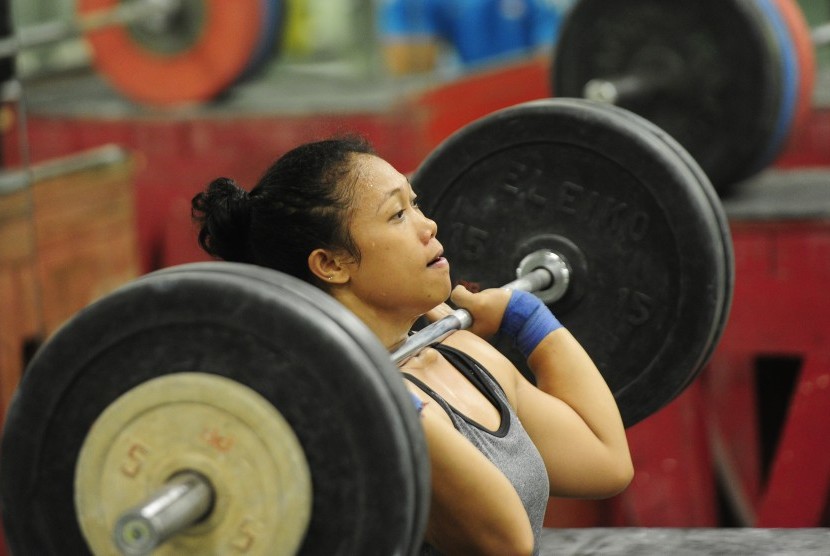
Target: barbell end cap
column 601, row 90
column 184, row 500
column 135, row 535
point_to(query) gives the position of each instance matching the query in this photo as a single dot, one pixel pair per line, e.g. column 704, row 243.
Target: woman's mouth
column 438, row 262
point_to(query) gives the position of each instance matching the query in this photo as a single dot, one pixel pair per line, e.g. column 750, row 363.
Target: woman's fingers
column 438, row 312
column 487, row 308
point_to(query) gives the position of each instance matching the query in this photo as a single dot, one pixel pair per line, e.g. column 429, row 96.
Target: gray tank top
column 509, row 448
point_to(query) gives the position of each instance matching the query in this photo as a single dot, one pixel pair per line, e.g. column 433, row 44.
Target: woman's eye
column 399, row 214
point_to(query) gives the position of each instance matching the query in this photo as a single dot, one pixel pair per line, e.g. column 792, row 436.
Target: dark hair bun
column 223, row 212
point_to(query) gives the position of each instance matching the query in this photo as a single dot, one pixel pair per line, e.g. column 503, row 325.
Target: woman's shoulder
column 488, row 357
column 474, row 346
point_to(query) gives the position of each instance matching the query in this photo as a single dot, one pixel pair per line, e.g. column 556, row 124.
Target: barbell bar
column 184, row 500
column 543, row 273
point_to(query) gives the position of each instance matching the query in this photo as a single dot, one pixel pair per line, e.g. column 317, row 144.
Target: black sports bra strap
column 471, row 368
column 429, row 392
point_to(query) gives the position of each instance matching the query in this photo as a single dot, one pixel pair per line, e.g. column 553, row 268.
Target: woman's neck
column 391, row 329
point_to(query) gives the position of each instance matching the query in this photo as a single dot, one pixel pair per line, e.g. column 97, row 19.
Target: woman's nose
column 430, row 228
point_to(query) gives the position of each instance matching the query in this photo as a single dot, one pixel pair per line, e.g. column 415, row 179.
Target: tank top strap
column 429, row 392
column 475, row 373
column 481, row 379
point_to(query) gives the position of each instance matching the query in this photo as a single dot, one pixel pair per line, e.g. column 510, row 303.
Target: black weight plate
column 300, row 357
column 366, row 339
column 629, row 216
column 724, row 109
column 717, row 211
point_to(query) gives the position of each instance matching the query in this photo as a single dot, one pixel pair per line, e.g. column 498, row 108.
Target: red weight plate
column 226, row 39
column 805, row 50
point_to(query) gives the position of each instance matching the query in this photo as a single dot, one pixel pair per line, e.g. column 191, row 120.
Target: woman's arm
column 571, row 414
column 475, row 509
column 574, row 420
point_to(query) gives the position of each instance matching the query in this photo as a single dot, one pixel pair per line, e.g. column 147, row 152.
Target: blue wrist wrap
column 527, row 321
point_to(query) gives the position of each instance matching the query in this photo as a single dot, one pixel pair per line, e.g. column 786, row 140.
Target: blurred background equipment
column 728, row 79
column 435, row 35
column 165, row 51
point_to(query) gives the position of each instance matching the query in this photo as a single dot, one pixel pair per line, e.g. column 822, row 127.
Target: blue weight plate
column 790, row 77
column 270, row 32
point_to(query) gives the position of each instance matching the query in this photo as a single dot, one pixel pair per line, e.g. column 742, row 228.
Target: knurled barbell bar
column 728, row 79
column 166, row 51
column 285, row 404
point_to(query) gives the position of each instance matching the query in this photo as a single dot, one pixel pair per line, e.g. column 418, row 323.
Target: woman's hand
column 487, row 308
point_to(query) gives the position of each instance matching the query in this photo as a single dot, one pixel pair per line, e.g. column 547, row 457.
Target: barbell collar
column 545, row 273
column 534, row 280
column 155, row 12
column 182, row 502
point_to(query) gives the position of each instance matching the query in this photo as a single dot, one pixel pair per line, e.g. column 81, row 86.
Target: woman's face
column 402, row 269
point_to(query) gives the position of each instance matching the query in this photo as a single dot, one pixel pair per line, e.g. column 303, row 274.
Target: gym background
column 98, row 169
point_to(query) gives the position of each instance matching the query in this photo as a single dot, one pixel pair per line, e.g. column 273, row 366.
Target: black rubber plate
column 645, row 244
column 318, row 365
column 725, row 107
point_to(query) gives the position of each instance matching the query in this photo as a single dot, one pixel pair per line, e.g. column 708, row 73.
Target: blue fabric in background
column 478, row 30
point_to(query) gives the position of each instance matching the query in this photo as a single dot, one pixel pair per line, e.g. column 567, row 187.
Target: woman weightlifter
column 338, row 216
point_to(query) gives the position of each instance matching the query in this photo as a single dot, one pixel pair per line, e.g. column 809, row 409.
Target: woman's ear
column 328, row 266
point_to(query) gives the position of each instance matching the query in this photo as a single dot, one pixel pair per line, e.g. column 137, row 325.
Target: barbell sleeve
column 184, row 500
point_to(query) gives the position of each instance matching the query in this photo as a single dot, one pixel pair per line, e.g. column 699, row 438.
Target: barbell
column 217, row 407
column 730, row 80
column 167, row 52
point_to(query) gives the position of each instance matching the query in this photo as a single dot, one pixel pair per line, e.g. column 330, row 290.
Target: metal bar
column 179, row 504
column 99, row 157
column 535, row 281
column 461, row 319
column 635, row 86
column 821, row 35
column 57, row 31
